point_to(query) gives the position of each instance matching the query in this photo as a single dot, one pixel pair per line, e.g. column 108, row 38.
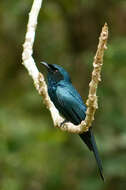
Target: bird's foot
column 61, row 124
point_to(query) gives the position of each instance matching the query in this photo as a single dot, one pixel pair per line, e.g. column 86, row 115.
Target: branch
column 40, row 83
column 91, row 102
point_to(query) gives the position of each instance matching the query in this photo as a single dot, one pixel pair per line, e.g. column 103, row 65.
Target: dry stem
column 39, row 81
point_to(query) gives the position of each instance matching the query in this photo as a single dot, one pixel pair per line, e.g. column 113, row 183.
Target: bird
column 70, row 105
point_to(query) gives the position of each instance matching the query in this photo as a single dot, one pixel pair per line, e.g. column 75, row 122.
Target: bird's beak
column 45, row 64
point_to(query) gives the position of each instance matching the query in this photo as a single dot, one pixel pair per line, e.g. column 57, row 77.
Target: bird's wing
column 69, row 104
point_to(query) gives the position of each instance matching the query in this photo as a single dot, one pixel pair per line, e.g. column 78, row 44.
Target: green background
column 33, row 154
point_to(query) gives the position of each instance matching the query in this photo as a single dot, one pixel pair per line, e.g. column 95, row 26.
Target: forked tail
column 89, row 140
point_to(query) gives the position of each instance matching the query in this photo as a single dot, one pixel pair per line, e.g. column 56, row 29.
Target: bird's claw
column 62, row 123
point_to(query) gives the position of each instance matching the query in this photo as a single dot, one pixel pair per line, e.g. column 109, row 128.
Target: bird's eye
column 56, row 70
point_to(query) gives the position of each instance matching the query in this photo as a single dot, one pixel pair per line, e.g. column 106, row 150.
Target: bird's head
column 56, row 73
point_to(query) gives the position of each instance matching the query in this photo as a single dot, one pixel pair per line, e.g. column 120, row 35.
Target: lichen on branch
column 40, row 83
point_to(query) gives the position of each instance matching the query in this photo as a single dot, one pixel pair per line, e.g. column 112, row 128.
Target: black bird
column 70, row 104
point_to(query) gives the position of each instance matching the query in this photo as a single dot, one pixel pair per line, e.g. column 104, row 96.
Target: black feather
column 89, row 140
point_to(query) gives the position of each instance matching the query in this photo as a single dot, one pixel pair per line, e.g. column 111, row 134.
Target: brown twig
column 91, row 102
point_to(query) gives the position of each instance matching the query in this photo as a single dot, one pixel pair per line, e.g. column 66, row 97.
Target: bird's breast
column 52, row 93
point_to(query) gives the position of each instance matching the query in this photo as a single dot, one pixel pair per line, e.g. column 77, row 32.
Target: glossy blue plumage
column 70, row 104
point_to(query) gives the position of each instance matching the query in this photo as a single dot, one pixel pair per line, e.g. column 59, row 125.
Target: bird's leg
column 62, row 123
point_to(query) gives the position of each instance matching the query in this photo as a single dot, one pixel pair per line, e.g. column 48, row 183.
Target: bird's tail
column 89, row 140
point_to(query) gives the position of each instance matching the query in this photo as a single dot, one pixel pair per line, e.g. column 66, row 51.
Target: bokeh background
column 33, row 154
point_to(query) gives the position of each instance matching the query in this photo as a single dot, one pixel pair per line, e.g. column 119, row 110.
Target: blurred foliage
column 33, row 154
